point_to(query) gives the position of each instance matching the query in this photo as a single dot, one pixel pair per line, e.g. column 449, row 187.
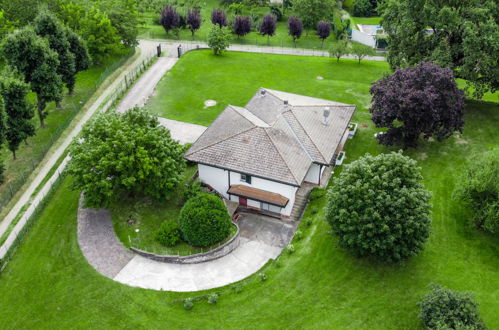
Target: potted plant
column 340, row 158
column 352, row 128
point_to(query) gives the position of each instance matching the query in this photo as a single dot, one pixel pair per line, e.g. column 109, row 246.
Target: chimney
column 327, row 112
column 262, row 92
column 286, row 102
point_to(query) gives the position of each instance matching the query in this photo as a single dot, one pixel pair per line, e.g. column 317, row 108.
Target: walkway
column 261, row 239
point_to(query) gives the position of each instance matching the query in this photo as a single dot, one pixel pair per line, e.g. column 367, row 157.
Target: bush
column 479, row 188
column 447, row 309
column 379, row 207
column 213, row 298
column 188, row 304
column 192, row 189
column 290, row 248
column 204, row 220
column 316, row 193
column 298, row 235
column 362, row 8
column 262, row 277
column 168, row 234
column 218, row 39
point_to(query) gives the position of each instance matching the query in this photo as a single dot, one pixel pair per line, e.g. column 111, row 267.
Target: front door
column 243, row 201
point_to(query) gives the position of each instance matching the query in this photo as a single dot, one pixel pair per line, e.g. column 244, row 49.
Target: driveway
column 262, row 238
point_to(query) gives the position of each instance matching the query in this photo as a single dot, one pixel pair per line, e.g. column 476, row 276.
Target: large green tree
column 79, row 48
column 6, row 26
column 48, row 26
column 124, row 17
column 462, row 35
column 378, row 207
column 32, row 56
column 126, row 153
column 19, row 111
column 2, row 136
column 311, row 12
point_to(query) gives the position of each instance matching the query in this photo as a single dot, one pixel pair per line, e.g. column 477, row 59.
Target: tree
column 204, row 220
column 6, row 26
column 19, row 111
column 268, row 26
column 339, row 49
column 420, row 100
column 362, row 8
column 442, row 308
column 323, row 31
column 123, row 15
column 48, row 26
column 193, row 20
column 31, row 55
column 312, row 12
column 127, row 153
column 218, row 39
column 218, row 17
column 79, row 49
column 478, row 188
column 170, row 19
column 360, row 51
column 378, row 207
column 242, row 25
column 462, row 35
column 295, row 28
column 2, row 137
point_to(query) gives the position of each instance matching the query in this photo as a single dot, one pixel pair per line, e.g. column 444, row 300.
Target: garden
column 316, row 283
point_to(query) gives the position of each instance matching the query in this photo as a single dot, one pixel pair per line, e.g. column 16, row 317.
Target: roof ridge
column 220, row 141
column 296, row 137
column 308, row 135
column 280, row 155
column 341, row 105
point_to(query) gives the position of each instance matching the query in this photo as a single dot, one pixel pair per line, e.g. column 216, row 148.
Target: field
column 49, row 284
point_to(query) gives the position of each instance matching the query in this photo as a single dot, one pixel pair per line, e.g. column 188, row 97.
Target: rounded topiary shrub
column 168, row 234
column 379, row 207
column 447, row 309
column 204, row 220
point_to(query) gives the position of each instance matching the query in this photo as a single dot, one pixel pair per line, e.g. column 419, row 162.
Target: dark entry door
column 243, row 201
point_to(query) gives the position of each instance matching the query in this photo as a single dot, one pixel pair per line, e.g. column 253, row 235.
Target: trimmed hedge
column 204, row 220
column 168, row 233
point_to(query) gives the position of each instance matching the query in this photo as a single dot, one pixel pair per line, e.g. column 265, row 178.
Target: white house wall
column 218, row 179
column 363, row 38
column 313, row 174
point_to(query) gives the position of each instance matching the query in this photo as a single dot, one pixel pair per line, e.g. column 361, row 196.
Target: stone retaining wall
column 216, row 253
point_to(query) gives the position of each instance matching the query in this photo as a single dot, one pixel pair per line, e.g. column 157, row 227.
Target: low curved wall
column 216, row 253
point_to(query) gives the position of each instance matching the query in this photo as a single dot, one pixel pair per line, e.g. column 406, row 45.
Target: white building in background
column 260, row 155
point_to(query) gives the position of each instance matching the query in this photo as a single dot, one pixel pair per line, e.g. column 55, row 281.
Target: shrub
column 218, row 39
column 316, row 193
column 290, row 248
column 262, row 277
column 379, row 207
column 192, row 189
column 298, row 235
column 479, row 188
column 362, row 8
column 213, row 298
column 204, row 220
column 188, row 304
column 168, row 234
column 447, row 309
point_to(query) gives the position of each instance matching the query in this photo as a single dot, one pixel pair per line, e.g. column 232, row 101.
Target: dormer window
column 246, row 178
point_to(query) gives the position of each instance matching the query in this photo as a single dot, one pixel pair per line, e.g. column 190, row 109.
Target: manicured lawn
column 151, row 29
column 196, row 78
column 367, row 20
column 28, row 156
column 49, row 284
column 148, row 215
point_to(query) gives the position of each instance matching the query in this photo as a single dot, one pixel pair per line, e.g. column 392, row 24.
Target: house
column 260, row 155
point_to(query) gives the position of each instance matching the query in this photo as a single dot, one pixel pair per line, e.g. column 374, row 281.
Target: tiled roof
column 273, row 139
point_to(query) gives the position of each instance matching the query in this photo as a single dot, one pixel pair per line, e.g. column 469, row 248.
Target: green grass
column 367, row 20
column 148, row 215
column 49, row 284
column 151, row 29
column 29, row 156
column 196, row 78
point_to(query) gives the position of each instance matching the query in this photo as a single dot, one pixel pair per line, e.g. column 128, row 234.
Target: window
column 270, row 207
column 246, row 178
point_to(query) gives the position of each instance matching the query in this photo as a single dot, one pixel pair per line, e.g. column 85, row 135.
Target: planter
column 352, row 129
column 341, row 157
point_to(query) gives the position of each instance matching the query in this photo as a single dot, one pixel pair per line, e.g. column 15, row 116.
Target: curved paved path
column 261, row 239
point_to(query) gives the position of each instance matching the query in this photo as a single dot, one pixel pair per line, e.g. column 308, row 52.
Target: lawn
column 29, row 156
column 151, row 29
column 148, row 214
column 49, row 284
column 182, row 92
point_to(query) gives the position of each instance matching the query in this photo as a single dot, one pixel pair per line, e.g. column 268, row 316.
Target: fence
column 20, row 229
column 11, row 188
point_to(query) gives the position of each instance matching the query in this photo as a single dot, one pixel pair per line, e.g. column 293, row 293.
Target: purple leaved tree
column 323, row 30
column 268, row 26
column 218, row 17
column 422, row 100
column 170, row 19
column 242, row 25
column 295, row 27
column 193, row 20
